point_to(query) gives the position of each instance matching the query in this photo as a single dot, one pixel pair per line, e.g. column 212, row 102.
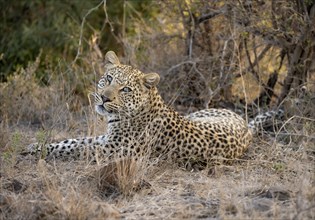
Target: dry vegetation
column 274, row 180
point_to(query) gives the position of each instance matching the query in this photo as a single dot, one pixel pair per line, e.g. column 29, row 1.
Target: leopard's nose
column 105, row 99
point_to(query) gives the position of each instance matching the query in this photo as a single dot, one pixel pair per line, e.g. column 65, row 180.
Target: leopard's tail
column 266, row 121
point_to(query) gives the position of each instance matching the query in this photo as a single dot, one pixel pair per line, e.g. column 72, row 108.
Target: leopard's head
column 123, row 90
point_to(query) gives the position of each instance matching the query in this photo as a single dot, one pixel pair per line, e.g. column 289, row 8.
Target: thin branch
column 251, row 66
column 180, row 64
column 211, row 15
column 273, row 13
column 191, row 32
column 124, row 20
column 222, row 58
column 259, row 57
column 82, row 27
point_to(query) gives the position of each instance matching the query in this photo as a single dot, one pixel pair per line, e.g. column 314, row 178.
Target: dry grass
column 275, row 179
column 272, row 181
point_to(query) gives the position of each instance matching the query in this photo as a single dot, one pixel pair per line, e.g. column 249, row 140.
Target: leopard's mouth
column 102, row 110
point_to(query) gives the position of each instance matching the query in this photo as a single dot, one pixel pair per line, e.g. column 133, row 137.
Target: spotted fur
column 266, row 120
column 139, row 123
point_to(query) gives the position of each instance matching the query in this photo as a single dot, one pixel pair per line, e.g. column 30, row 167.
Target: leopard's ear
column 111, row 59
column 151, row 80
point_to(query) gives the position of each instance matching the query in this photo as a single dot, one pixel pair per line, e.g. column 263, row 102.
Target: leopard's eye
column 101, row 84
column 126, row 89
column 109, row 78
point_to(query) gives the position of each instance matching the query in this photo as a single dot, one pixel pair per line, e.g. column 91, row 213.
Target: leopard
column 140, row 123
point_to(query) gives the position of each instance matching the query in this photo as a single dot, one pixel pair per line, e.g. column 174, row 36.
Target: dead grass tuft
column 123, row 176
